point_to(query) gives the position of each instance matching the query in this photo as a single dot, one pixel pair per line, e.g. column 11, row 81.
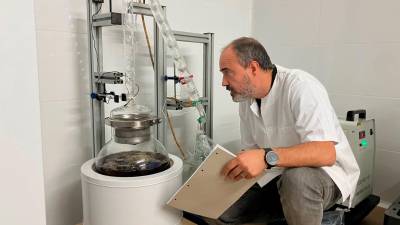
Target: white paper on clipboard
column 206, row 192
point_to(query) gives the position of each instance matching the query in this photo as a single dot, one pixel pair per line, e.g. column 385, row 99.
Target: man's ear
column 254, row 67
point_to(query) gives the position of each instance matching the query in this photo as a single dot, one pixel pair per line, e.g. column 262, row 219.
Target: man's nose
column 224, row 82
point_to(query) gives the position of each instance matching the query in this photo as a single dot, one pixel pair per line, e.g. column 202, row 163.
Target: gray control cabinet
column 361, row 137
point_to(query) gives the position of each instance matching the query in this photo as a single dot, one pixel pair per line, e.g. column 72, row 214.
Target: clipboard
column 207, row 192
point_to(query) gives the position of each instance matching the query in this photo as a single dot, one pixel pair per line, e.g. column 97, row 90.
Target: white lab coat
column 297, row 110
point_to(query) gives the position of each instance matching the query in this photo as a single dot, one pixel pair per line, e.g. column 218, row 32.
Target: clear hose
column 186, row 79
column 188, row 89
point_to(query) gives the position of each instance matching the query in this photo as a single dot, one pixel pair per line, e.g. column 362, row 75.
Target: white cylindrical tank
column 138, row 200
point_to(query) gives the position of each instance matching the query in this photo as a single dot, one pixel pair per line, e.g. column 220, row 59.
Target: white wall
column 63, row 77
column 353, row 48
column 63, row 81
column 21, row 170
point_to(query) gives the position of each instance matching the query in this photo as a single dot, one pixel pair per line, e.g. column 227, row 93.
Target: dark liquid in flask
column 132, row 164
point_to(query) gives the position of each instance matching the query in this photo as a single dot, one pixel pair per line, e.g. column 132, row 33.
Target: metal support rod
column 91, row 69
column 95, row 66
column 159, row 81
column 191, row 37
column 175, row 83
column 208, row 53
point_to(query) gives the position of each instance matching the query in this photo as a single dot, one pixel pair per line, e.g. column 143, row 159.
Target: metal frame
column 95, row 66
column 95, row 25
column 160, row 85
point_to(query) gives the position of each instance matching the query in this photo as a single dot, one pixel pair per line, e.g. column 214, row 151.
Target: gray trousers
column 299, row 194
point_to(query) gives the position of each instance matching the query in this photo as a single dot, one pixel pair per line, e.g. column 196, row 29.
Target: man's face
column 235, row 77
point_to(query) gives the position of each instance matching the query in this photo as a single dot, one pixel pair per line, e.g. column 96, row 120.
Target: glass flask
column 132, row 150
column 202, row 148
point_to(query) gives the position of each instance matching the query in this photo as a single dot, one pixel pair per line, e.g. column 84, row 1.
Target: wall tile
column 21, row 168
column 60, row 15
column 282, row 22
column 305, row 57
column 384, row 111
column 63, row 66
column 359, row 21
column 66, row 145
column 386, row 177
column 190, row 16
column 361, row 69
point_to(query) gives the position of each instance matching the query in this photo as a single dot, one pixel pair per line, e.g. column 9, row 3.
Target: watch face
column 272, row 158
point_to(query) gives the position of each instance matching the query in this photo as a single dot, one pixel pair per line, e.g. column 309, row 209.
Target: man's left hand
column 247, row 164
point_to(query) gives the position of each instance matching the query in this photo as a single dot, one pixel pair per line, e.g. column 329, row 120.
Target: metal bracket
column 191, row 37
column 113, row 18
column 177, row 104
column 104, row 97
column 107, row 19
column 109, row 77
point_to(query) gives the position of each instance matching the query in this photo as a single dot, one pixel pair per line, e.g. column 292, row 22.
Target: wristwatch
column 270, row 157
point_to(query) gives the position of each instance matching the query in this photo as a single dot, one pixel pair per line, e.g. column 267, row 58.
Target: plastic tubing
column 186, row 81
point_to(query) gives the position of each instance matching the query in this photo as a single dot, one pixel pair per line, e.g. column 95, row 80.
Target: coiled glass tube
column 188, row 85
column 129, row 45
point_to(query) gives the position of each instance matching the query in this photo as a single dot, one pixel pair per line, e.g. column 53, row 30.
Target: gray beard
column 240, row 98
column 248, row 91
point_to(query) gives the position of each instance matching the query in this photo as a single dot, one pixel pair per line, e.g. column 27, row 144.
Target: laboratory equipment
column 132, row 151
column 132, row 176
column 361, row 136
column 130, row 200
column 392, row 214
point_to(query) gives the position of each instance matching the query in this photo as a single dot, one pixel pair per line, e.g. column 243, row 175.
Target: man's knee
column 296, row 182
column 301, row 194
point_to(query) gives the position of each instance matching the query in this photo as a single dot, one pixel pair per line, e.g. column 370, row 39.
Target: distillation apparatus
column 188, row 88
column 132, row 176
column 202, row 147
column 189, row 96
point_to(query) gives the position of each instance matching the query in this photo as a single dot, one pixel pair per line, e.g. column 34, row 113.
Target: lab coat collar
column 268, row 100
column 254, row 107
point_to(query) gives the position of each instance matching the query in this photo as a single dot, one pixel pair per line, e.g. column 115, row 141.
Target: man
column 286, row 120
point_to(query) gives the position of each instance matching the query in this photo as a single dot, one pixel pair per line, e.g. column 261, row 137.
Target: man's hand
column 248, row 164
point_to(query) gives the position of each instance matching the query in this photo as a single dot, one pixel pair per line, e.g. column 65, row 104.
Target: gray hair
column 248, row 49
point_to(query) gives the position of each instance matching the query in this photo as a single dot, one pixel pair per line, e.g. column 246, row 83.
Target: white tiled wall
column 21, row 169
column 352, row 47
column 63, row 77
